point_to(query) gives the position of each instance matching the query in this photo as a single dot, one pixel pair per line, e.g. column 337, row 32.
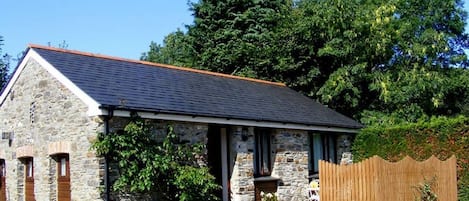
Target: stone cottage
column 259, row 135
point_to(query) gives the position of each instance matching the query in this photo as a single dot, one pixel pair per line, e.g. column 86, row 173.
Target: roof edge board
column 14, row 77
column 226, row 121
column 31, row 54
column 90, row 102
column 157, row 65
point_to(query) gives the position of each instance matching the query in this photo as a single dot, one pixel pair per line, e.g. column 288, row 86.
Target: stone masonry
column 290, row 162
column 241, row 158
column 38, row 111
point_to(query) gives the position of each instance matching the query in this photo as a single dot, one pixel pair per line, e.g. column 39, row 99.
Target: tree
column 233, row 37
column 176, row 50
column 237, row 37
column 168, row 168
column 423, row 77
column 347, row 54
column 374, row 60
column 4, row 66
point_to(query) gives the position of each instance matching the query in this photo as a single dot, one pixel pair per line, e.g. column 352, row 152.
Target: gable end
column 31, row 54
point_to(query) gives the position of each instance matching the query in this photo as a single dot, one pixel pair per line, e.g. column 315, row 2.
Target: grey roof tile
column 133, row 85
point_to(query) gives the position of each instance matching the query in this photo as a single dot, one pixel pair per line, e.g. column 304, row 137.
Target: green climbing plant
column 168, row 168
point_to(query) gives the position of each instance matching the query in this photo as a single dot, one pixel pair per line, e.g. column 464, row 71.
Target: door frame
column 63, row 164
column 218, row 158
column 224, row 164
column 29, row 179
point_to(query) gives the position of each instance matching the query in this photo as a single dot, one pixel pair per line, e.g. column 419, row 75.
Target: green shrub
column 167, row 169
column 442, row 137
column 425, row 191
column 463, row 192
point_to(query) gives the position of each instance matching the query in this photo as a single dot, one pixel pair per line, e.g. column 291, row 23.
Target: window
column 29, row 168
column 321, row 147
column 63, row 167
column 262, row 151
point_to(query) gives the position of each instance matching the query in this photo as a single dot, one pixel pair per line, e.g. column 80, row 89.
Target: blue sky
column 116, row 28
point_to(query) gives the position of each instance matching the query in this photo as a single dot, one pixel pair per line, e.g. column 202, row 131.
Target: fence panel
column 376, row 179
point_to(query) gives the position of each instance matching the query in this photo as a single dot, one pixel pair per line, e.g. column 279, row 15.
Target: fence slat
column 375, row 179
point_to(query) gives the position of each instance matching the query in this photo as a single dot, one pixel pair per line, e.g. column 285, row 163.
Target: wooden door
column 63, row 178
column 29, row 180
column 3, row 194
column 218, row 154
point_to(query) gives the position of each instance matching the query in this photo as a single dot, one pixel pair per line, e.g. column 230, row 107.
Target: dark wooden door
column 214, row 156
column 29, row 180
column 3, row 194
column 63, row 178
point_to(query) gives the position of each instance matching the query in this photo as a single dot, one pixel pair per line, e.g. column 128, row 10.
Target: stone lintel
column 24, row 152
column 60, row 147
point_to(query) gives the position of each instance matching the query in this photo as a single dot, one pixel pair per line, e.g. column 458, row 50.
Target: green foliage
column 4, row 65
column 463, row 193
column 379, row 61
column 269, row 196
column 425, row 191
column 441, row 137
column 233, row 37
column 197, row 183
column 176, row 50
column 416, row 94
column 237, row 37
column 373, row 57
column 169, row 168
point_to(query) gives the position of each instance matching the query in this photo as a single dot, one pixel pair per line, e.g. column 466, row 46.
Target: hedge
column 442, row 137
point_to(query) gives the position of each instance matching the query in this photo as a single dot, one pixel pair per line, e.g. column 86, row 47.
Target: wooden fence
column 375, row 179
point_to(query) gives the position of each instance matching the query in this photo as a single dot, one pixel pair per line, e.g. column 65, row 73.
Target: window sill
column 313, row 176
column 266, row 178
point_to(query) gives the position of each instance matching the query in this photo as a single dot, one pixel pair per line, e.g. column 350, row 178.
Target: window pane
column 30, row 168
column 265, row 153
column 262, row 153
column 63, row 167
column 257, row 150
column 4, row 171
column 317, row 151
column 331, row 149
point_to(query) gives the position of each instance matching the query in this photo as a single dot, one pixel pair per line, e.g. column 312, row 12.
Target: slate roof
column 141, row 86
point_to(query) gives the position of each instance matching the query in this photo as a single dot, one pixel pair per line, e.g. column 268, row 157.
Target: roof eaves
column 172, row 116
column 228, row 117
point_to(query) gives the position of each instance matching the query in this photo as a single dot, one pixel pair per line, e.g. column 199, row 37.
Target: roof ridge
column 154, row 64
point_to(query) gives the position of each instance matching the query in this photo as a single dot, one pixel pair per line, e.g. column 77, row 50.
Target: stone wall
column 241, row 158
column 289, row 157
column 344, row 146
column 290, row 149
column 40, row 110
